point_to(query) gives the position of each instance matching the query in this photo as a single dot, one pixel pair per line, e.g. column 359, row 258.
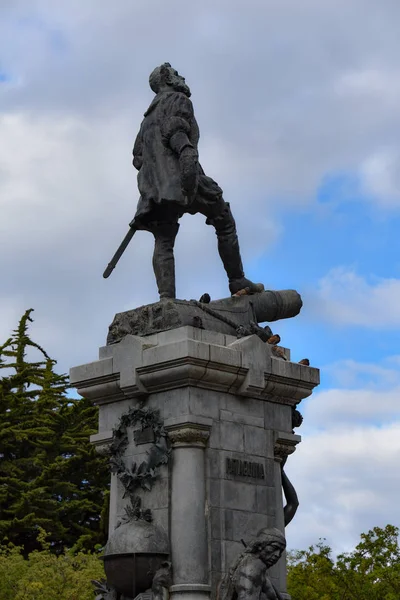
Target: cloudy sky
column 298, row 109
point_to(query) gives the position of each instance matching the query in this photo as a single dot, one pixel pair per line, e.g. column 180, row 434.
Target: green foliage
column 50, row 475
column 45, row 576
column 311, row 573
column 371, row 571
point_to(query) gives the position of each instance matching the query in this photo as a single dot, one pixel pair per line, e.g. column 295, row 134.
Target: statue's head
column 165, row 77
column 268, row 546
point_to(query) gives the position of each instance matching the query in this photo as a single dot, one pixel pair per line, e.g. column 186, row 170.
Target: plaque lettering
column 244, row 468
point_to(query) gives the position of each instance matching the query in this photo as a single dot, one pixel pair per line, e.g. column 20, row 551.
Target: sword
column 121, row 249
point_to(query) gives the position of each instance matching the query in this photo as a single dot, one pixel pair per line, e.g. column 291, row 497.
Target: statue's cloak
column 159, row 177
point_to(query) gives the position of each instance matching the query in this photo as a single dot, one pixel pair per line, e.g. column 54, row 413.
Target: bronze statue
column 171, row 183
column 247, row 579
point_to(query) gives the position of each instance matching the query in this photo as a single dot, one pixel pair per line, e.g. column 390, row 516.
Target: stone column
column 188, row 532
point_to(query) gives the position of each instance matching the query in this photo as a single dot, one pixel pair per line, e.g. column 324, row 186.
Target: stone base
column 226, row 404
column 144, row 596
column 189, row 592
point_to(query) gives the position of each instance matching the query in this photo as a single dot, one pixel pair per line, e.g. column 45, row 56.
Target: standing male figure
column 171, row 183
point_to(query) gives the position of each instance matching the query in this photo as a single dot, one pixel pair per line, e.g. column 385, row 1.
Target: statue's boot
column 229, row 251
column 163, row 258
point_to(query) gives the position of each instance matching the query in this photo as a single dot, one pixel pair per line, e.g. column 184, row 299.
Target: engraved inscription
column 244, row 468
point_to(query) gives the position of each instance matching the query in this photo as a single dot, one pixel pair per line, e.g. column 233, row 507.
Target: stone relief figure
column 162, row 581
column 248, row 578
column 171, row 183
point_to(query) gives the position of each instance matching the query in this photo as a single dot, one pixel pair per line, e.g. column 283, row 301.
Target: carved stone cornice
column 285, row 444
column 189, row 435
column 102, row 442
column 137, row 367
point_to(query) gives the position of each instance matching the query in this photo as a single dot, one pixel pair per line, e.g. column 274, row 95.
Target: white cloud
column 352, row 374
column 345, row 468
column 292, row 106
column 380, row 177
column 341, row 408
column 378, row 83
column 346, row 298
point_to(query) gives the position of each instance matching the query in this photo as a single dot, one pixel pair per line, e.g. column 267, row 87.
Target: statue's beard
column 180, row 86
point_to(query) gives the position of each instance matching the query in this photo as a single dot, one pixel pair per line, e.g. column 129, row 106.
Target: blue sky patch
column 338, row 187
column 55, row 37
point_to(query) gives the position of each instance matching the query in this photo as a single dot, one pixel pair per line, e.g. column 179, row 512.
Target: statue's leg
column 220, row 216
column 163, row 257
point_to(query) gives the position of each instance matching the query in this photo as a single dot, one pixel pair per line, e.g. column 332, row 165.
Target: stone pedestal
column 226, row 404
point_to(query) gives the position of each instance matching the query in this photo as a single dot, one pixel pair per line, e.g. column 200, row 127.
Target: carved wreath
column 144, row 474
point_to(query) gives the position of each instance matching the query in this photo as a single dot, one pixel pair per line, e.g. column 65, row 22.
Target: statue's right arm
column 246, row 590
column 176, row 127
column 292, row 502
column 137, row 152
column 175, row 133
column 270, row 591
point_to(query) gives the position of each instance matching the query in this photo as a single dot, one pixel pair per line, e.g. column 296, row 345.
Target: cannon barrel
column 272, row 306
column 225, row 315
column 264, row 306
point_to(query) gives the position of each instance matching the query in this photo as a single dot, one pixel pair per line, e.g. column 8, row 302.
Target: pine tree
column 50, row 475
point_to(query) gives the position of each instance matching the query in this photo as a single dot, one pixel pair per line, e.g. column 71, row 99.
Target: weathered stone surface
column 245, row 419
column 214, row 492
column 231, row 436
column 240, row 495
column 255, row 441
column 277, row 417
column 240, row 525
